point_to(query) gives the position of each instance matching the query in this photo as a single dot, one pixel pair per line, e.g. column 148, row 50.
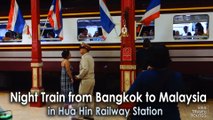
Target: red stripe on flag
column 57, row 12
column 11, row 13
column 50, row 18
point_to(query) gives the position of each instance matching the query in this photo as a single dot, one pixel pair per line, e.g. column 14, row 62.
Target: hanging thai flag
column 55, row 17
column 106, row 20
column 152, row 12
column 16, row 21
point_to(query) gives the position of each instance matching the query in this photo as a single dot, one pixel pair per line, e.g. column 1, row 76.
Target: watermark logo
column 201, row 111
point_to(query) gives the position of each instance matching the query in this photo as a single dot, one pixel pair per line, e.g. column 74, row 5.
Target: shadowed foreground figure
column 158, row 79
column 143, row 56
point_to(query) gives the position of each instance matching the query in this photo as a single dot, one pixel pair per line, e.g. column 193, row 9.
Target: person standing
column 86, row 75
column 66, row 76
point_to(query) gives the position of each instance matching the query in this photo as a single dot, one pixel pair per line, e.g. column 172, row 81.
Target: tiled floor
column 195, row 111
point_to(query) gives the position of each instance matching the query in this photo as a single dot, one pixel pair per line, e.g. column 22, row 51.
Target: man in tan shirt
column 86, row 74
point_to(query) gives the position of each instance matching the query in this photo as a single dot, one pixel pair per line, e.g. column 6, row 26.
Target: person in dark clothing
column 143, row 56
column 158, row 79
column 8, row 36
column 51, row 34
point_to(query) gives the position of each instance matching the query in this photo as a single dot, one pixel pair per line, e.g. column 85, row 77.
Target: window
column 90, row 30
column 143, row 31
column 47, row 32
column 8, row 35
column 190, row 27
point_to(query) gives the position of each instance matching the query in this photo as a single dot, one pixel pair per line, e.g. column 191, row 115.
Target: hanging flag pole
column 42, row 32
column 140, row 30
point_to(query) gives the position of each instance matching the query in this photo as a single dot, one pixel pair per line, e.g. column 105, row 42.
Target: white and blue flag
column 106, row 20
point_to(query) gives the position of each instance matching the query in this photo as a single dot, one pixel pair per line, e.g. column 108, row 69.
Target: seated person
column 177, row 35
column 84, row 35
column 18, row 36
column 96, row 34
column 97, row 37
column 13, row 34
column 186, row 33
column 8, row 36
column 199, row 31
column 51, row 34
column 151, row 32
column 145, row 33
